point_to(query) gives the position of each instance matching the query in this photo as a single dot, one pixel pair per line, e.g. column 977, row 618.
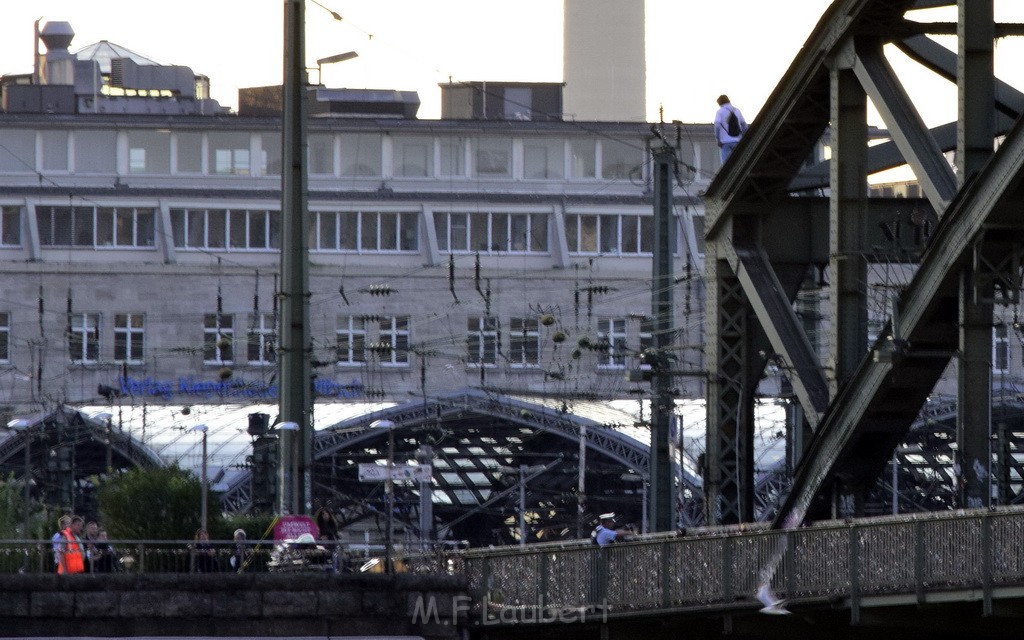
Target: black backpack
column 732, row 125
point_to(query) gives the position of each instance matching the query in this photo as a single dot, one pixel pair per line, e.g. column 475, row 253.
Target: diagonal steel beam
column 923, row 154
column 940, row 60
column 785, row 334
column 874, row 409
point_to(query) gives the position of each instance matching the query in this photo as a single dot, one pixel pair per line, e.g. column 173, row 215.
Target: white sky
column 691, row 57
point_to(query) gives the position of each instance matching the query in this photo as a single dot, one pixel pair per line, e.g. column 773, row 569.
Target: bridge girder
column 863, row 398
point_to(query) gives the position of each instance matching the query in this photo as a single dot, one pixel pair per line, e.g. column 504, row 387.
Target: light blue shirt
column 604, row 535
column 722, row 124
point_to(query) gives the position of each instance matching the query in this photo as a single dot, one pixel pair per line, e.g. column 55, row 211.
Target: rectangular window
column 414, row 157
column 1000, row 349
column 351, row 340
column 621, row 160
column 5, row 337
column 583, row 159
column 493, row 157
column 327, row 231
column 262, row 345
column 229, row 153
column 17, row 151
column 129, row 337
column 360, row 154
column 524, row 342
column 366, row 231
column 84, row 337
column 218, row 338
column 96, row 152
column 10, row 226
column 124, row 227
column 482, row 341
column 233, row 230
column 609, row 234
column 321, row 154
column 190, row 152
column 453, row 157
column 55, row 150
column 612, row 334
column 149, row 152
column 393, row 346
column 66, row 226
column 492, row 232
column 270, row 163
column 543, row 159
column 646, row 338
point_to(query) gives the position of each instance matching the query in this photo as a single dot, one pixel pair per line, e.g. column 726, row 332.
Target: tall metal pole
column 662, row 402
column 110, row 447
column 581, row 482
column 522, row 505
column 286, row 477
column 206, row 488
column 28, row 483
column 389, row 485
column 296, row 345
column 425, row 457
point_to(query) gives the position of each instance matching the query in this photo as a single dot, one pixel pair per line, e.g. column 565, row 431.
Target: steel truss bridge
column 962, row 242
column 956, row 575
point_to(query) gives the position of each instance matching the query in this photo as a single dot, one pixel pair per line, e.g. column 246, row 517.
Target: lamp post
column 22, row 425
column 296, row 347
column 389, row 489
column 201, row 428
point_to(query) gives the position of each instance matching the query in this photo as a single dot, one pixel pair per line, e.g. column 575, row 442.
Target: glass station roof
column 167, row 429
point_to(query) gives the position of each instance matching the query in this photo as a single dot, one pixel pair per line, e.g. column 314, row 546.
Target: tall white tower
column 605, row 64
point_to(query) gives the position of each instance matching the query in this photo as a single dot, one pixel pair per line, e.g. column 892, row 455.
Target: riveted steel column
column 975, row 133
column 847, row 214
column 728, row 479
column 662, row 498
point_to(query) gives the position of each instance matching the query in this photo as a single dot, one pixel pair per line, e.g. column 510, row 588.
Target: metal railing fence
column 227, row 556
column 914, row 554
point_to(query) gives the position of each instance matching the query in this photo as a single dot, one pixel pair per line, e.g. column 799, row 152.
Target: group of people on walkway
column 80, row 547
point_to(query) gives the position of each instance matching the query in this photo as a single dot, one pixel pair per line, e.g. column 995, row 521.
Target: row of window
column 386, row 339
column 331, row 231
column 236, row 153
column 358, row 339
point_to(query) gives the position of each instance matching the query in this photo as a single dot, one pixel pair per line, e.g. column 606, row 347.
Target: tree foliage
column 155, row 504
column 12, row 513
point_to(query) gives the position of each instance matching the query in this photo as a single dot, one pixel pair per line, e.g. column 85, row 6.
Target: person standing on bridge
column 729, row 126
column 606, row 533
column 71, row 553
column 62, row 523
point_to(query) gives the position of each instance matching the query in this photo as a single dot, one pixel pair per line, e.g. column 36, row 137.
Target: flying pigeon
column 773, row 605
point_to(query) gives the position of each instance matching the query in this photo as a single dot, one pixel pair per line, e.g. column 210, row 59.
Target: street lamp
column 340, row 57
column 201, row 428
column 389, row 488
column 22, row 425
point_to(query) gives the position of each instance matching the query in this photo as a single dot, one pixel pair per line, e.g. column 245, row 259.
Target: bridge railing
column 894, row 555
column 227, row 556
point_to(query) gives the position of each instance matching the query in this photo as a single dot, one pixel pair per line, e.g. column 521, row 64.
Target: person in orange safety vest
column 71, row 557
